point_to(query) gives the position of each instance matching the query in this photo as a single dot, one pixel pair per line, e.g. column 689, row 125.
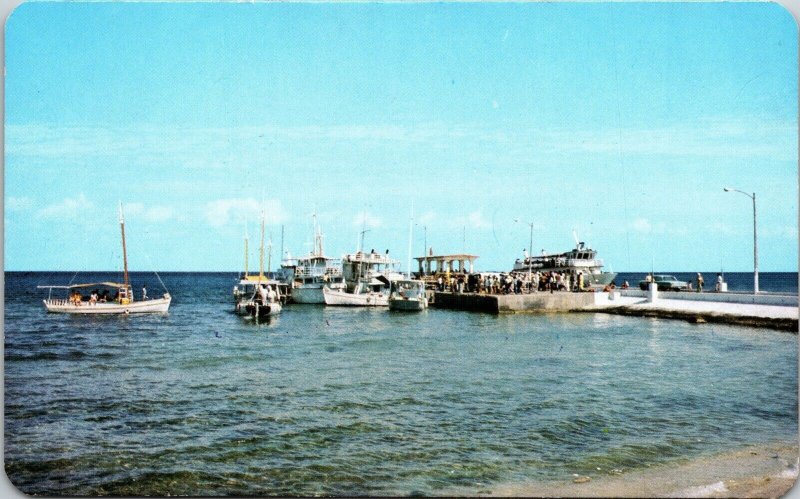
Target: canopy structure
column 75, row 286
column 444, row 263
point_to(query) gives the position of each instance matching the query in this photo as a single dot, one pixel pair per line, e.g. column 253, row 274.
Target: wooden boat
column 123, row 301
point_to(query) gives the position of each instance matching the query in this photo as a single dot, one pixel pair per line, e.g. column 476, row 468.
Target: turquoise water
column 348, row 401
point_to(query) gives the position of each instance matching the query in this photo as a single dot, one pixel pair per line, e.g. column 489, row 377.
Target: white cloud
column 224, row 211
column 68, row 208
column 426, row 218
column 474, row 220
column 641, row 225
column 367, row 219
column 155, row 213
column 18, row 203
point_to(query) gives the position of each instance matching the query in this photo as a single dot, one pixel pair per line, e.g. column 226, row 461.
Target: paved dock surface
column 720, row 308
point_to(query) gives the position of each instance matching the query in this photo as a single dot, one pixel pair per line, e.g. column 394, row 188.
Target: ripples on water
column 348, row 401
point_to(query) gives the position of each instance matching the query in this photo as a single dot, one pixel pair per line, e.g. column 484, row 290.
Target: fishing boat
column 122, row 302
column 258, row 296
column 314, row 272
column 367, row 277
column 580, row 259
column 408, row 295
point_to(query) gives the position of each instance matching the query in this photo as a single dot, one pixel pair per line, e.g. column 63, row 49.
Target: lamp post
column 755, row 236
column 425, row 248
column 530, row 252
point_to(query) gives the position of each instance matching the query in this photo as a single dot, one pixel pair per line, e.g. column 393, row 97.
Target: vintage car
column 665, row 283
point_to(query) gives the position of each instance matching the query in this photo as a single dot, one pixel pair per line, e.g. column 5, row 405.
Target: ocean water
column 340, row 401
column 738, row 282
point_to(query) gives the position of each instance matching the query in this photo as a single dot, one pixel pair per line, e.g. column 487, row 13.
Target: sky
column 458, row 126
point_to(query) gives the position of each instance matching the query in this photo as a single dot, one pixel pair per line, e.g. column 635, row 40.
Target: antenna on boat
column 124, row 250
column 575, row 237
column 282, row 253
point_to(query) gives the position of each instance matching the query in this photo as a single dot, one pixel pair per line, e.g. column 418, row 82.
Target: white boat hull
column 157, row 306
column 311, row 294
column 342, row 298
column 308, row 295
column 408, row 304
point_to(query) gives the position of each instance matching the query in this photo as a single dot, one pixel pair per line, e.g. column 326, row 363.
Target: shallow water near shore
column 352, row 401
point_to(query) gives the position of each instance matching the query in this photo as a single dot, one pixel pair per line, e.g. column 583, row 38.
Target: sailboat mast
column 261, row 261
column 246, row 240
column 124, row 249
column 269, row 254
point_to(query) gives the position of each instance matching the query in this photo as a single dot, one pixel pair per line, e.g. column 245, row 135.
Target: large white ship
column 580, row 259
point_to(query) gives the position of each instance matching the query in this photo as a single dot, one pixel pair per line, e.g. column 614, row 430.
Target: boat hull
column 308, row 295
column 600, row 280
column 311, row 294
column 260, row 311
column 408, row 304
column 157, row 306
column 341, row 298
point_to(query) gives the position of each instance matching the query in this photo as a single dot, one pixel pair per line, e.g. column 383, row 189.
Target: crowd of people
column 512, row 283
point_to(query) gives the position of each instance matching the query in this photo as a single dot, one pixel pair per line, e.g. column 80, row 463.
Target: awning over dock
column 444, row 263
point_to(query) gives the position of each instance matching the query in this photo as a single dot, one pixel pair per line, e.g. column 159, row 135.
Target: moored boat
column 408, row 295
column 358, row 298
column 580, row 260
column 315, row 271
column 258, row 296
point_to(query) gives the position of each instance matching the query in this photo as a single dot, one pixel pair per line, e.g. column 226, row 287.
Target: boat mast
column 261, row 260
column 124, row 250
column 269, row 254
column 410, row 235
column 246, row 239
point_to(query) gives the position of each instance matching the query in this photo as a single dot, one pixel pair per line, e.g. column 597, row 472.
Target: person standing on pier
column 700, row 282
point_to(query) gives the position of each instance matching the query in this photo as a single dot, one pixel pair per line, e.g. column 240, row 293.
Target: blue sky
column 623, row 121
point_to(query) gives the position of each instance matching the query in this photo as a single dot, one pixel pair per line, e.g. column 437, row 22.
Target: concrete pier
column 770, row 311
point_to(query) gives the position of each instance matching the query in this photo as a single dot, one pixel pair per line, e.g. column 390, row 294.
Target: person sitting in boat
column 104, row 296
column 271, row 294
column 76, row 297
column 263, row 294
column 93, row 297
column 144, row 293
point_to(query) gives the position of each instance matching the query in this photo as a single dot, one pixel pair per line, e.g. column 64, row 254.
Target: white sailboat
column 121, row 303
column 257, row 296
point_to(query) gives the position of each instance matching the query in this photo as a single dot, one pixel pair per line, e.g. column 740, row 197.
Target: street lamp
column 425, row 247
column 755, row 237
column 530, row 252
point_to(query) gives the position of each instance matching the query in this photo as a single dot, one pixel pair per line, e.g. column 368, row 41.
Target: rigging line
column 146, row 255
column 619, row 142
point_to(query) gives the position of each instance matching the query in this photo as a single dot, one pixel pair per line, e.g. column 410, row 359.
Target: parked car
column 666, row 283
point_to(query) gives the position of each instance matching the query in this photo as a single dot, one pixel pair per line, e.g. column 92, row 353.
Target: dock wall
column 745, row 298
column 535, row 302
